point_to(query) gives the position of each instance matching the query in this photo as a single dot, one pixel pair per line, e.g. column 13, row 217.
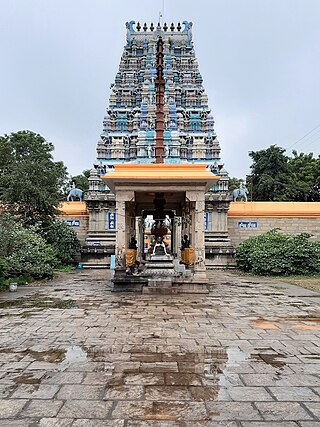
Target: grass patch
column 311, row 282
column 307, row 282
column 66, row 268
column 20, row 281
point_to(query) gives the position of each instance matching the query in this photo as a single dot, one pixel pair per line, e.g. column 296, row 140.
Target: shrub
column 2, row 273
column 64, row 241
column 274, row 253
column 25, row 252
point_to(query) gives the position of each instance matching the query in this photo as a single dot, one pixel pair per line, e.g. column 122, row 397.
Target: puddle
column 235, row 356
column 37, row 301
column 50, row 355
column 75, row 354
column 271, row 359
column 27, row 379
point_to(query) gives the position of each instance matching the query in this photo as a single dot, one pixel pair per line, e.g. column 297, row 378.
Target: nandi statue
column 74, row 193
column 240, row 192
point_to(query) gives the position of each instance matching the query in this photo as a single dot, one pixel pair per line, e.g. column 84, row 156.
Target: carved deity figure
column 160, row 247
column 185, row 242
column 133, row 243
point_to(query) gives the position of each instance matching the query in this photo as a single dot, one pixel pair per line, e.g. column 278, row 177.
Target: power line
column 318, row 126
column 312, row 141
column 315, row 134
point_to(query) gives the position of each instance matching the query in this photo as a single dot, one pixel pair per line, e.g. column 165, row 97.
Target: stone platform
column 75, row 354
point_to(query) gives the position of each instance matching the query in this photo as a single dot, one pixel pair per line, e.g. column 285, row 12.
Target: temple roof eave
column 160, row 174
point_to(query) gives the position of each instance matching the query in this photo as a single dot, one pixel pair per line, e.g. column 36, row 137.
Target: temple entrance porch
column 169, row 200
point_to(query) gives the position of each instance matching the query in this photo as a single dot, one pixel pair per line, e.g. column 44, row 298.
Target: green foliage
column 305, row 173
column 32, row 241
column 81, row 181
column 63, row 240
column 233, row 184
column 274, row 253
column 30, row 181
column 270, row 178
column 25, row 252
column 2, row 273
column 66, row 268
column 277, row 177
column 33, row 251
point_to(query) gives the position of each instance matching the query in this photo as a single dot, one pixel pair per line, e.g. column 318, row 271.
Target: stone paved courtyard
column 74, row 354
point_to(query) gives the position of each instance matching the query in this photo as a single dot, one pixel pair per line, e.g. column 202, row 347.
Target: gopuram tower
column 129, row 132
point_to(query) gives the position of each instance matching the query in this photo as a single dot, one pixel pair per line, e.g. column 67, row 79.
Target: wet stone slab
column 245, row 355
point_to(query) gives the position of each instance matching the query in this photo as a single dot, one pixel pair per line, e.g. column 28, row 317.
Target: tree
column 81, row 181
column 31, row 182
column 270, row 177
column 233, row 184
column 305, row 172
column 278, row 177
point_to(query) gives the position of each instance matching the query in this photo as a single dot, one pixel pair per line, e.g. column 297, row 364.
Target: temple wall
column 247, row 219
column 244, row 220
column 76, row 215
column 79, row 223
column 237, row 234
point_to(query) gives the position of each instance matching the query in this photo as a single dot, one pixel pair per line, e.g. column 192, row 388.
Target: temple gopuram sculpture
column 129, row 133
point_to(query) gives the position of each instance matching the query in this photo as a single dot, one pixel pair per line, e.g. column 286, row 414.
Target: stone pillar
column 97, row 216
column 140, row 237
column 123, row 224
column 177, row 236
column 92, row 218
column 197, row 227
column 209, row 209
column 223, row 220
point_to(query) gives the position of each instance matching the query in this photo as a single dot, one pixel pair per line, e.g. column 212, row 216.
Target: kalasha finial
column 145, row 27
column 151, row 26
column 179, row 26
column 138, row 26
column 165, row 27
column 172, row 27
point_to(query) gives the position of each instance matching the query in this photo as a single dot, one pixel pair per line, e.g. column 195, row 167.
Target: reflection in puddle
column 74, row 354
column 235, row 356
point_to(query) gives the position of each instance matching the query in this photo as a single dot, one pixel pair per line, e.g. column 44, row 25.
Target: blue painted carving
column 188, row 29
column 183, row 100
column 169, row 60
column 122, row 122
column 167, row 135
column 194, row 122
column 150, row 134
column 130, row 30
column 75, row 193
column 240, row 192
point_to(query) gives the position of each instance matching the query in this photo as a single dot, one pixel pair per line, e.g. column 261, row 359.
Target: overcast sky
column 260, row 60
